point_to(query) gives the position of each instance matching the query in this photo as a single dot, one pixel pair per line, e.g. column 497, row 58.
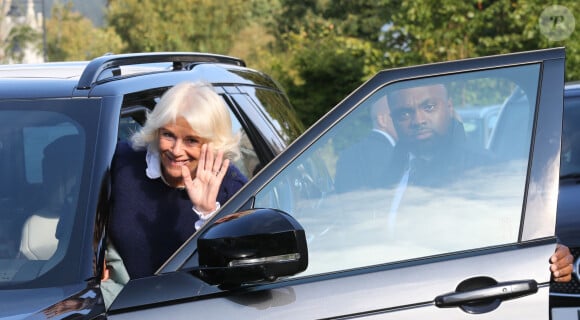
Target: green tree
column 256, row 41
column 185, row 25
column 70, row 36
column 323, row 68
column 439, row 30
column 291, row 17
column 362, row 19
column 320, row 53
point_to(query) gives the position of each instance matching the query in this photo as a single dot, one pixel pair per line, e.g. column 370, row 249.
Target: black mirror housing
column 252, row 246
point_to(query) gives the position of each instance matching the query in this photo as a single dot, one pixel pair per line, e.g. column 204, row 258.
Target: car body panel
column 374, row 293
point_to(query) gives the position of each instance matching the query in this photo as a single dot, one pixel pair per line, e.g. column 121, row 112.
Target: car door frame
column 536, row 238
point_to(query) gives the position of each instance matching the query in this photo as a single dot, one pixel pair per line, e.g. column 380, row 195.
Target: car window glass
column 248, row 160
column 570, row 161
column 247, row 163
column 364, row 201
column 127, row 127
column 276, row 108
column 41, row 163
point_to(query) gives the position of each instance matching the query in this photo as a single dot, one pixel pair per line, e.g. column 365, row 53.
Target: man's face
column 422, row 116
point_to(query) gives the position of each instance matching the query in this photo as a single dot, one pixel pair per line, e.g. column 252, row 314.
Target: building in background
column 22, row 31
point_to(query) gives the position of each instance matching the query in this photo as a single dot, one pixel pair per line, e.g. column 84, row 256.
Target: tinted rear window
column 570, row 160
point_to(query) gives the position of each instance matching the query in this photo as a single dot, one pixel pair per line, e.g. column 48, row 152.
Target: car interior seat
column 60, row 174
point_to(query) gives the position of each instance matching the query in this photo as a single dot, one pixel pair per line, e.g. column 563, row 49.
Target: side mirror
column 252, row 246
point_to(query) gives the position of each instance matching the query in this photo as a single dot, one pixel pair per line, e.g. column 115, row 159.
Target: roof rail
column 111, row 61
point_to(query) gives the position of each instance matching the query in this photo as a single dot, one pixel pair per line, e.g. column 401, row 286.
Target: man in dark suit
column 432, row 152
column 432, row 149
column 363, row 165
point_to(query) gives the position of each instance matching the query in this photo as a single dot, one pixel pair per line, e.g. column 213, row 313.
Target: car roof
column 49, row 70
column 65, row 70
column 83, row 78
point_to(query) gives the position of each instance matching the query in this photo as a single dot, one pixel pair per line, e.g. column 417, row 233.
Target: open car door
column 471, row 238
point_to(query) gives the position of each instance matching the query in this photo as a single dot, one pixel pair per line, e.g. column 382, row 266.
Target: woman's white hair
column 201, row 107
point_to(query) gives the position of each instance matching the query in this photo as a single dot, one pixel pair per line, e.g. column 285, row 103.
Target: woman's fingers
column 204, row 187
column 210, row 162
column 222, row 171
column 218, row 162
column 209, row 159
column 186, row 176
column 201, row 160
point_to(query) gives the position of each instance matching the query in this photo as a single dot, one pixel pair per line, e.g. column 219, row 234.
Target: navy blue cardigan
column 149, row 219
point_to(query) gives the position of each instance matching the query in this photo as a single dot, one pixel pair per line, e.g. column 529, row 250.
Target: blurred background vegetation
column 318, row 50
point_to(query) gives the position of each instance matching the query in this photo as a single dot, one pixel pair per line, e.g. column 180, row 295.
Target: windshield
column 570, row 161
column 42, row 163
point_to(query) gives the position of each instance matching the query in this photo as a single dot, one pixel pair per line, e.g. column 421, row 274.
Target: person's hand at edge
column 106, row 274
column 561, row 264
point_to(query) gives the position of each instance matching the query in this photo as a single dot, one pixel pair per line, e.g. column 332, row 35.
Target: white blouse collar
column 153, row 170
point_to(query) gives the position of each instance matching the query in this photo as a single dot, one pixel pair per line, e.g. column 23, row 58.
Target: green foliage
column 318, row 50
column 430, row 31
column 185, row 25
column 324, row 77
column 480, row 92
column 362, row 19
column 318, row 57
column 254, row 43
column 290, row 17
column 71, row 36
column 324, row 67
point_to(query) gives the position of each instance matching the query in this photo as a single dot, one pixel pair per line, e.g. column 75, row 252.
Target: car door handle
column 481, row 294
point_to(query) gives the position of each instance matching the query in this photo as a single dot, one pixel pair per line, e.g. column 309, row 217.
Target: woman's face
column 179, row 145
